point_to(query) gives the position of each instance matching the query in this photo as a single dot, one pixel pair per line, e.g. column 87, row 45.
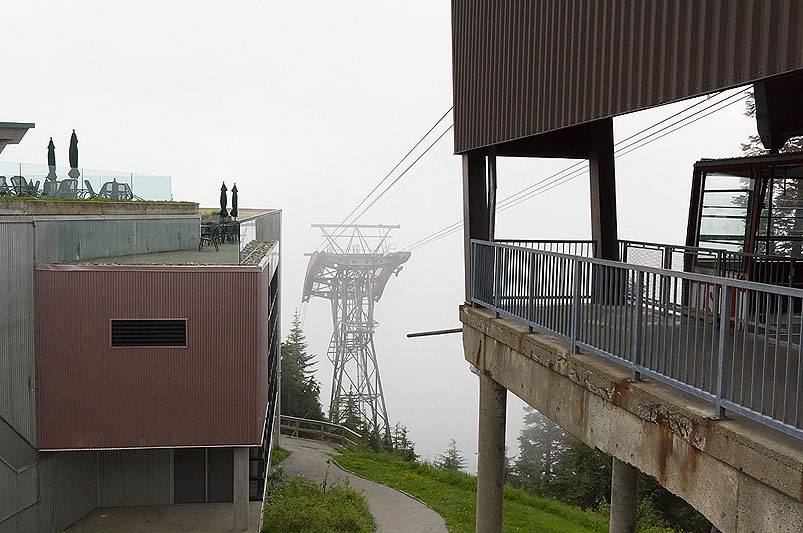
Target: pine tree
column 542, row 444
column 300, row 390
column 753, row 146
column 402, row 445
column 451, row 459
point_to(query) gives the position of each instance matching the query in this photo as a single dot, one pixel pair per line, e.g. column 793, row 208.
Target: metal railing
column 732, row 342
column 583, row 248
column 772, row 269
column 319, row 429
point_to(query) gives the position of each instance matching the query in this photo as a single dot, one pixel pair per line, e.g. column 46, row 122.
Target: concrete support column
column 624, row 497
column 491, row 457
column 240, row 489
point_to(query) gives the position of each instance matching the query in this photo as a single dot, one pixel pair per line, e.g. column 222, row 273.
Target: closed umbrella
column 51, row 160
column 223, row 212
column 73, row 155
column 234, row 201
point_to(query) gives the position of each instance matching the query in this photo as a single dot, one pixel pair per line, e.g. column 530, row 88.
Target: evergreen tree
column 542, row 444
column 451, row 459
column 402, row 445
column 300, row 390
column 753, row 146
column 349, row 415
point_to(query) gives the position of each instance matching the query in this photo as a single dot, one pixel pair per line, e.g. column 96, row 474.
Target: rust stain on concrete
column 664, row 451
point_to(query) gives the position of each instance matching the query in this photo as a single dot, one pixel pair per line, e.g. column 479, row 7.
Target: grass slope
column 453, row 496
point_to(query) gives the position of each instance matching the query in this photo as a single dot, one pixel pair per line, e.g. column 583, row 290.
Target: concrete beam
column 491, row 455
column 240, row 518
column 740, row 474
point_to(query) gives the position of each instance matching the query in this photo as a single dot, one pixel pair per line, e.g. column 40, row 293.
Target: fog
column 306, row 106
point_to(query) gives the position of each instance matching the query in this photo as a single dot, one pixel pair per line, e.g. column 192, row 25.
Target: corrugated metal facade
column 135, row 477
column 93, row 396
column 65, row 239
column 67, row 492
column 18, row 491
column 17, row 333
column 524, row 67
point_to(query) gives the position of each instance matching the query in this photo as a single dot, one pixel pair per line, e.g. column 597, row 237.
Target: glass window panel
column 726, row 199
column 718, row 181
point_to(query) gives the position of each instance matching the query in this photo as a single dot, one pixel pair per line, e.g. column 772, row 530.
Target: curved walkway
column 394, row 512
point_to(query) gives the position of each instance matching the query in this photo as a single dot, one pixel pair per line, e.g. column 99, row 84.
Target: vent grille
column 168, row 333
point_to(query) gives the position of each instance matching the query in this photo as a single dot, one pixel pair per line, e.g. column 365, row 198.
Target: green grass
column 453, row 496
column 304, row 505
column 278, row 455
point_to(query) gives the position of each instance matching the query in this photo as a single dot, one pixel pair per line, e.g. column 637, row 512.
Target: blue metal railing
column 734, row 343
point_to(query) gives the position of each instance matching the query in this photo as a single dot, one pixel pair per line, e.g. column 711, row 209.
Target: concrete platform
column 195, row 517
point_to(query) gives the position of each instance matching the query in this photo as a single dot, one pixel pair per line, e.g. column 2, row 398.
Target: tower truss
column 352, row 272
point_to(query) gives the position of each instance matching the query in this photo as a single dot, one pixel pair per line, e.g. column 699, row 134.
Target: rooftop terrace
column 227, row 254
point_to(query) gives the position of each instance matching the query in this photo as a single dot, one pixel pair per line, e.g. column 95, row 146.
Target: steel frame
column 351, row 273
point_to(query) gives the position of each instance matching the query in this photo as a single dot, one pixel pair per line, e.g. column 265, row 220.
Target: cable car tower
column 352, row 272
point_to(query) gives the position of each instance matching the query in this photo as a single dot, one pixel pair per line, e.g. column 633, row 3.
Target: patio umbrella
column 234, row 201
column 223, row 212
column 73, row 155
column 51, row 160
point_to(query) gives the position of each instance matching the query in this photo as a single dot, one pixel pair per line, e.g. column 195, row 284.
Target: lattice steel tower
column 351, row 272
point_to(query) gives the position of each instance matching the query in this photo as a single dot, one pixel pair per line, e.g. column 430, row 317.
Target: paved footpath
column 394, row 512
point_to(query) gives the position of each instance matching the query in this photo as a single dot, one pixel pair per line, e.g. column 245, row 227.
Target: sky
column 306, row 106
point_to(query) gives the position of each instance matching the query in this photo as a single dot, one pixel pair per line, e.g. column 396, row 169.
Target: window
column 726, row 200
column 149, row 333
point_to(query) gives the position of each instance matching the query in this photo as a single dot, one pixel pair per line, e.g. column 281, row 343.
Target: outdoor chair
column 231, row 232
column 50, row 188
column 89, row 192
column 68, row 188
column 210, row 234
column 19, row 185
column 4, row 188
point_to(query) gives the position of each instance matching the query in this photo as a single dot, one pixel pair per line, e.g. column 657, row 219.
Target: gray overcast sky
column 306, row 105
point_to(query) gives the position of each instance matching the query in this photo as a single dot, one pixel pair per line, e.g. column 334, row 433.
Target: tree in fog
column 300, row 390
column 542, row 444
column 451, row 458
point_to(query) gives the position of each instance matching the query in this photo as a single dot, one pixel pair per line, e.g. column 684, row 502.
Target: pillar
column 603, row 190
column 491, row 455
column 240, row 489
column 475, row 207
column 624, row 497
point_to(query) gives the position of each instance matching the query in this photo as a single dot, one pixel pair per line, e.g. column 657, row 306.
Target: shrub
column 304, row 505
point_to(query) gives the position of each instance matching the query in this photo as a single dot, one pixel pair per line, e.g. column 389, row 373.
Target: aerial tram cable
column 542, row 186
column 383, row 180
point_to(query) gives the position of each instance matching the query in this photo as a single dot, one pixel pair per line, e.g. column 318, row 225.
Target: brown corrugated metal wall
column 94, row 396
column 524, row 67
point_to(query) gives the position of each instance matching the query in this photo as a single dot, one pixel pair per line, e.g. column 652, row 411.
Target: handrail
column 297, row 429
column 735, row 343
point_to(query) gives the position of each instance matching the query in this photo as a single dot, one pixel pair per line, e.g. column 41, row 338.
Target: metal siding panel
column 134, row 477
column 67, row 240
column 93, row 396
column 17, row 492
column 68, row 489
column 523, row 67
column 17, row 329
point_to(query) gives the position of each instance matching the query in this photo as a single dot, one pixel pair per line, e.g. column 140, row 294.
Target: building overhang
column 13, row 132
